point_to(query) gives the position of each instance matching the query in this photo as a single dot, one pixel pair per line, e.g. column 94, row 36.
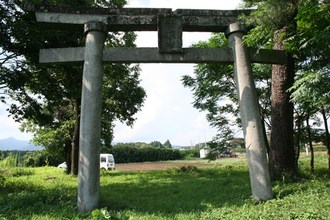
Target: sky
column 168, row 113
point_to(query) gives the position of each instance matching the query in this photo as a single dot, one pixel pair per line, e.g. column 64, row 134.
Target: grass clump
column 187, row 169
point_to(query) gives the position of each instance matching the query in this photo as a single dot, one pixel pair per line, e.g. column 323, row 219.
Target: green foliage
column 10, row 161
column 313, row 32
column 213, row 87
column 167, row 144
column 190, row 153
column 306, row 24
column 156, row 144
column 270, row 16
column 2, row 181
column 310, row 90
column 40, row 158
column 214, row 91
column 54, row 139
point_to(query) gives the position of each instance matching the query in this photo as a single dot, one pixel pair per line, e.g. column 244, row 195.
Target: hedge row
column 125, row 154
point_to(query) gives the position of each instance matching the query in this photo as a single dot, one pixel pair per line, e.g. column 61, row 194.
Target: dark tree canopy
column 47, row 97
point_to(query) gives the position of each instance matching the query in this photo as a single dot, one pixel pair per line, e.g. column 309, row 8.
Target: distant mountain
column 19, row 145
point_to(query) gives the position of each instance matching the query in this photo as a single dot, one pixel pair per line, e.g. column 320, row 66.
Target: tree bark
column 327, row 136
column 68, row 150
column 282, row 155
column 298, row 139
column 265, row 134
column 75, row 140
column 310, row 144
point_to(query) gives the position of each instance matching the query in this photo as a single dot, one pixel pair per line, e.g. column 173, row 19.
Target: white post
column 90, row 121
column 249, row 111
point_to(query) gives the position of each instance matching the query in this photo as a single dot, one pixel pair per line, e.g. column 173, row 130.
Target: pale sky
column 167, row 112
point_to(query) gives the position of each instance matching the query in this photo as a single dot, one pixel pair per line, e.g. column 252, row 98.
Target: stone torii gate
column 96, row 22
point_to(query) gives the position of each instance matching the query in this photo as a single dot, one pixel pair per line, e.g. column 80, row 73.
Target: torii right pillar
column 249, row 112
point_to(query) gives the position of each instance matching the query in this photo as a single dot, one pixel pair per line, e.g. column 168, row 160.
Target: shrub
column 10, row 161
column 190, row 153
column 40, row 158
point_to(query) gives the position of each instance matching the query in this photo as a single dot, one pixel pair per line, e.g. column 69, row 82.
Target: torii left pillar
column 90, row 120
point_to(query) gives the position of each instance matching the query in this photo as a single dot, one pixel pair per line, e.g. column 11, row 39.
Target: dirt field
column 158, row 165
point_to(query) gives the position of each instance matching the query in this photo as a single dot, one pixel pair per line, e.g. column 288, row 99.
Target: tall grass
column 222, row 192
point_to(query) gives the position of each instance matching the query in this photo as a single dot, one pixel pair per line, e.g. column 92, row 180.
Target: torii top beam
column 134, row 19
column 147, row 19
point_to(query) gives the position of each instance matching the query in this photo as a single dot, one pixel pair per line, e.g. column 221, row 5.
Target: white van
column 107, row 161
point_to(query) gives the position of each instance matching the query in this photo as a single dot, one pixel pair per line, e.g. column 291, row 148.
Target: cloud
column 166, row 98
column 168, row 112
column 10, row 128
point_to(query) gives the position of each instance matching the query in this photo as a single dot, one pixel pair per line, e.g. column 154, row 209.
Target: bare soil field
column 147, row 166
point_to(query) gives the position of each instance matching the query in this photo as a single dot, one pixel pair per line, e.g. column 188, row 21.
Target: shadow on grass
column 21, row 198
column 175, row 191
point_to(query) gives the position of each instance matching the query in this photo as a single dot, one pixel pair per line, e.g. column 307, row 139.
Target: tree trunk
column 68, row 151
column 282, row 155
column 75, row 140
column 327, row 136
column 310, row 144
column 298, row 139
column 265, row 134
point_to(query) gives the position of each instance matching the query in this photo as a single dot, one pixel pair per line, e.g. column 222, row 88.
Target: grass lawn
column 222, row 192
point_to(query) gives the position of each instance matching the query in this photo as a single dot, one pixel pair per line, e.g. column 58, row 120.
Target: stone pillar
column 249, row 111
column 90, row 121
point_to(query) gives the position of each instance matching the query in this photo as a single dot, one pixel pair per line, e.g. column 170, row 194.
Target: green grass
column 177, row 193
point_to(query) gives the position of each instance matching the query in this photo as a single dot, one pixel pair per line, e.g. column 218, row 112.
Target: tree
column 313, row 32
column 301, row 28
column 156, row 144
column 48, row 97
column 275, row 22
column 310, row 92
column 214, row 91
column 167, row 144
column 213, row 88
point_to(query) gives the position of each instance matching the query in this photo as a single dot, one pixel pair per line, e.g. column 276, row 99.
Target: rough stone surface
column 135, row 19
column 170, row 34
column 90, row 122
column 152, row 55
column 249, row 111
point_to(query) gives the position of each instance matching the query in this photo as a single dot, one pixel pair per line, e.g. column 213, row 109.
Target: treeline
column 145, row 152
column 128, row 154
column 123, row 153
